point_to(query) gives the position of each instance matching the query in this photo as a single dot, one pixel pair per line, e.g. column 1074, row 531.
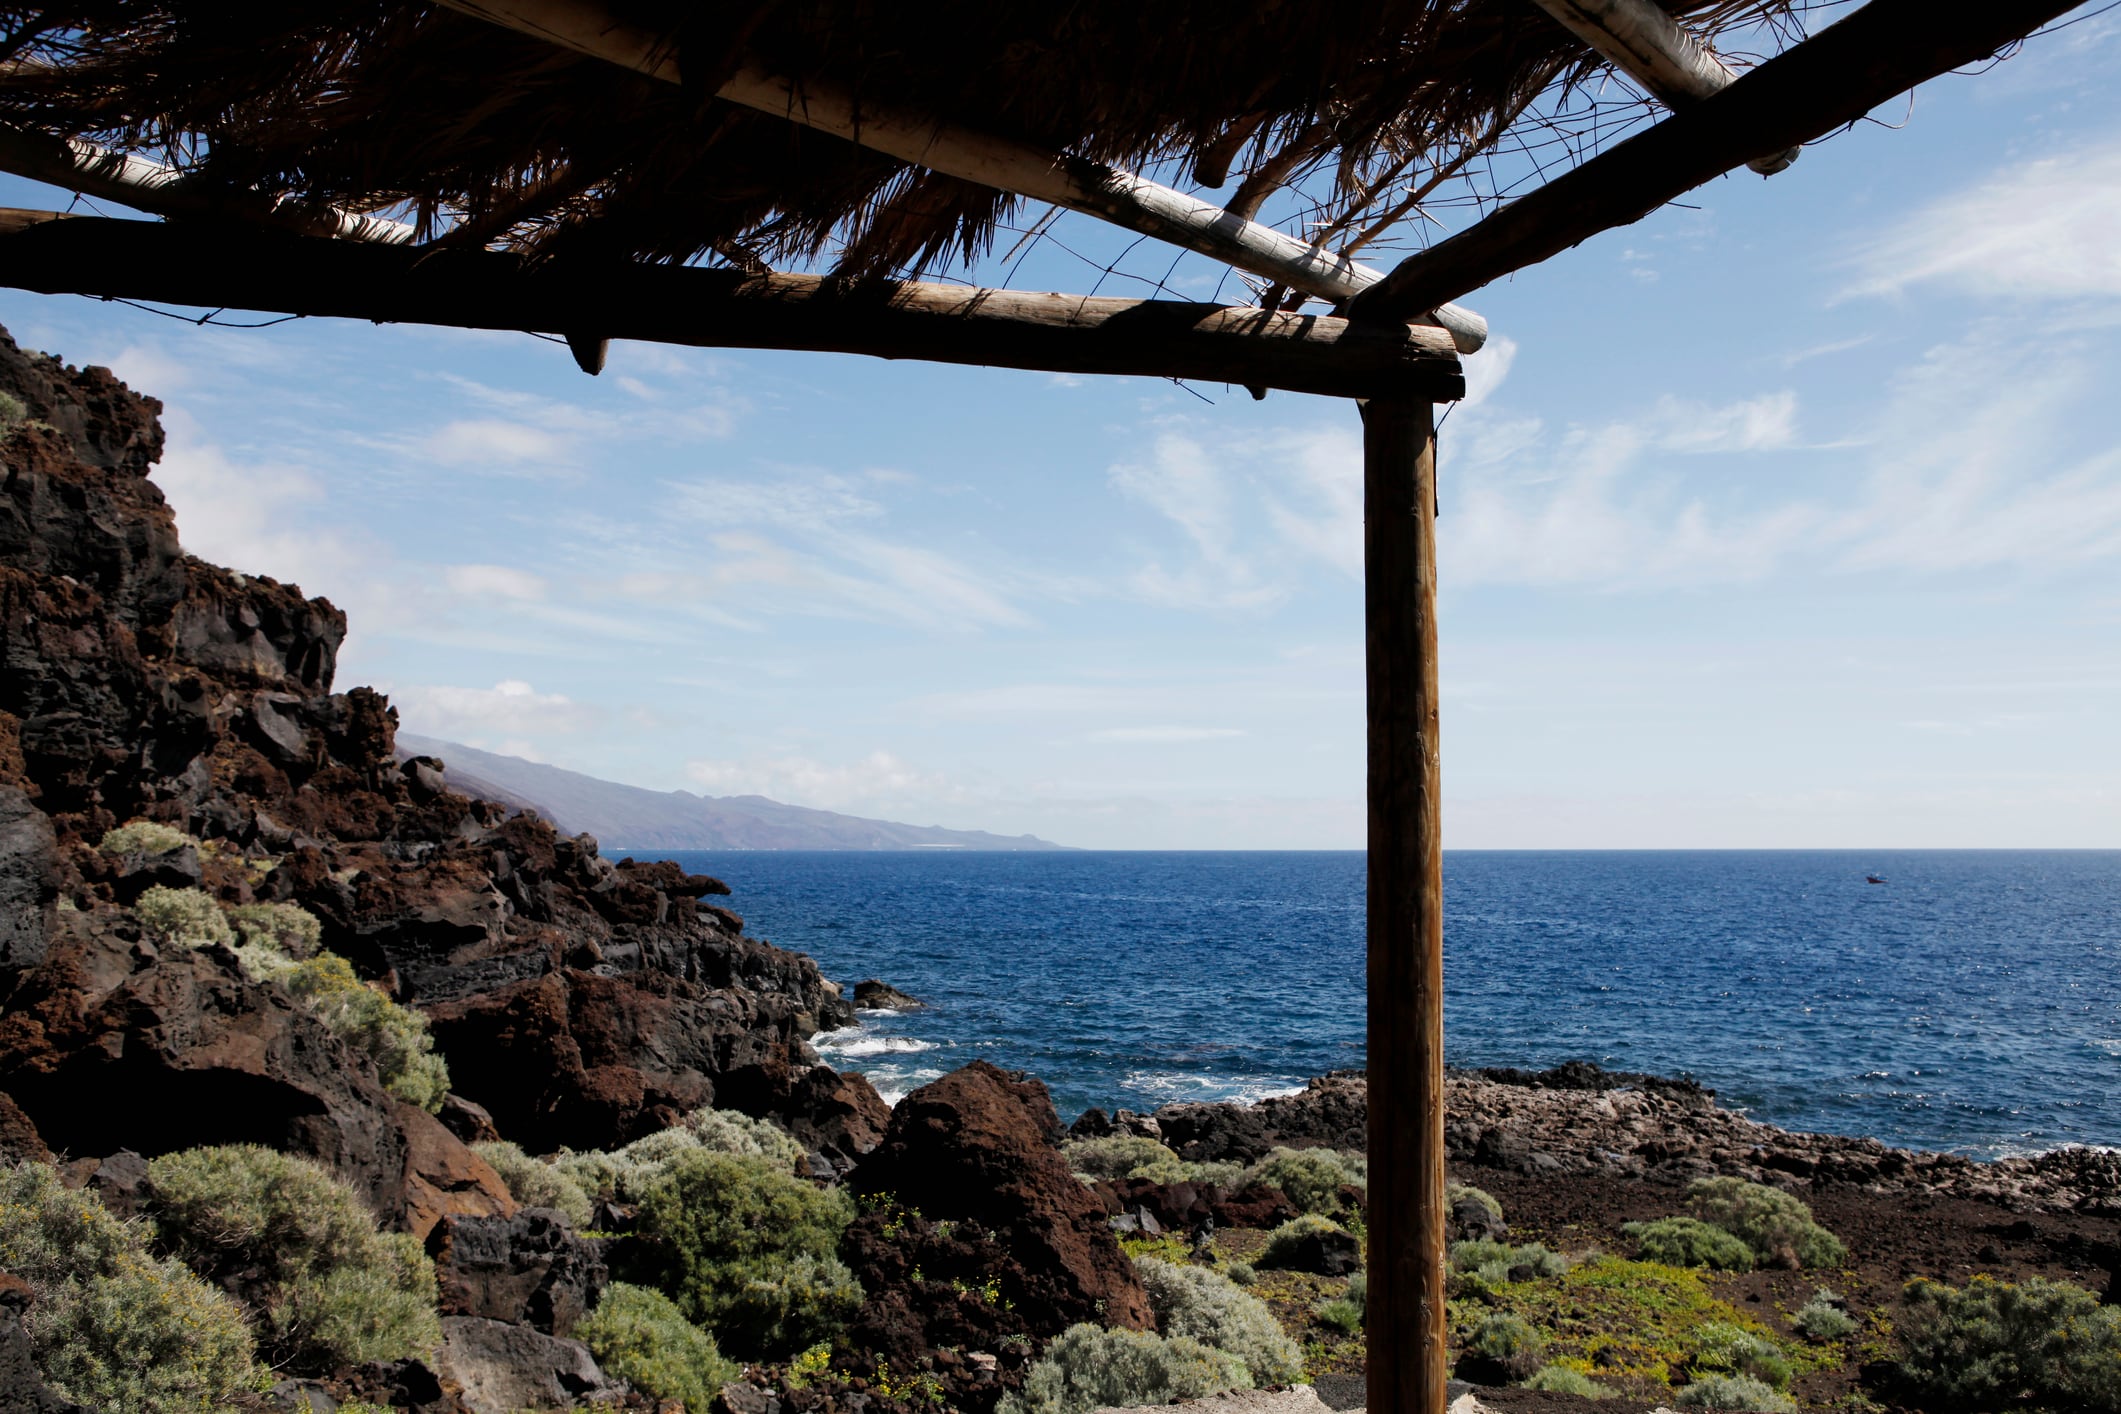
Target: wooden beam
column 191, row 264
column 1833, row 78
column 80, row 166
column 1405, row 1327
column 1120, row 197
column 1649, row 46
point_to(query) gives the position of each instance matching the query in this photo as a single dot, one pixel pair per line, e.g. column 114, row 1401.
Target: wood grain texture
column 1405, row 1334
column 1835, row 77
column 215, row 267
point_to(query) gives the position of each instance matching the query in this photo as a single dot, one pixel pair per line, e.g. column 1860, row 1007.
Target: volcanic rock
column 22, row 1387
column 873, row 995
column 527, row 1269
column 503, row 1368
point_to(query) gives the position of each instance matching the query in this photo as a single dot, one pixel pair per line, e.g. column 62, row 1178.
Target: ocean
column 1970, row 1003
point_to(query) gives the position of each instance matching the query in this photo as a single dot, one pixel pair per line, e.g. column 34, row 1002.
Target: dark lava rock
column 1330, row 1252
column 503, row 1368
column 29, row 879
column 873, row 995
column 1471, row 1220
column 19, row 1141
column 22, row 1387
column 1588, row 1075
column 469, row 1122
column 529, row 1269
column 1333, row 1111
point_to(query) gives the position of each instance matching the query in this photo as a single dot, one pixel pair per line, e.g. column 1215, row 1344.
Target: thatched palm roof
column 492, row 137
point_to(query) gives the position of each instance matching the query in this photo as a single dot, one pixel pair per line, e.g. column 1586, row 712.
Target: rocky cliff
column 579, row 1000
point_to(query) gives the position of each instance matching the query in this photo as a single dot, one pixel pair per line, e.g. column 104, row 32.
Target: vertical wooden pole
column 1406, row 1215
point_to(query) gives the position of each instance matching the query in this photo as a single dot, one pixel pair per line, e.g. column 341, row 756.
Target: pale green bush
column 113, row 1327
column 1689, row 1242
column 1242, row 1273
column 642, row 1337
column 1341, row 1314
column 1456, row 1193
column 1088, row 1368
column 1196, row 1302
column 394, row 1037
column 144, row 837
column 1284, row 1243
column 1560, row 1379
column 1312, row 1178
column 183, row 917
column 1720, row 1348
column 748, row 1251
column 2035, row 1344
column 297, row 1244
column 625, row 1174
column 285, row 928
column 1507, row 1343
column 1495, row 1263
column 1175, row 1170
column 1823, row 1318
column 1776, row 1225
column 535, row 1183
column 1735, row 1392
column 1114, row 1156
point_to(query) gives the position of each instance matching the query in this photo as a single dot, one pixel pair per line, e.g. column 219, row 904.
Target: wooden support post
column 1406, row 1213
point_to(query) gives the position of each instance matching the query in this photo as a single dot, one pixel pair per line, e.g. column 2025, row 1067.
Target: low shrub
column 183, row 917
column 1176, row 1170
column 1824, row 1317
column 1312, row 1178
column 1456, row 1193
column 535, row 1183
column 1212, row 1309
column 1087, row 1368
column 643, row 1338
column 1720, row 1348
column 1689, row 1242
column 1341, row 1314
column 299, row 1248
column 143, row 837
column 1778, row 1226
column 1560, row 1379
column 1285, row 1244
column 112, row 1326
column 2034, row 1344
column 1495, row 1263
column 625, row 1174
column 394, row 1037
column 292, row 932
column 1243, row 1273
column 747, row 1250
column 1506, row 1345
column 1114, row 1156
column 1734, row 1392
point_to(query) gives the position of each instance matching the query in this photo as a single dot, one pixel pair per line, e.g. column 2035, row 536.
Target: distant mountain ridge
column 631, row 818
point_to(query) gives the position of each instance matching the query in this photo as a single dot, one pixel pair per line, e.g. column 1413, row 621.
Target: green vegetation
column 1114, row 1156
column 1507, row 1343
column 1243, row 1273
column 1824, row 1317
column 1777, row 1226
column 625, row 1175
column 325, row 1287
column 1284, row 1243
column 643, row 1338
column 183, row 918
column 1088, row 1368
column 1722, row 1348
column 2035, row 1344
column 1312, row 1178
column 1492, row 1264
column 535, row 1183
column 1456, row 1193
column 113, row 1327
column 747, row 1250
column 1212, row 1309
column 1689, row 1242
column 394, row 1037
column 292, row 932
column 1340, row 1313
column 143, row 837
column 1734, row 1392
column 1560, row 1379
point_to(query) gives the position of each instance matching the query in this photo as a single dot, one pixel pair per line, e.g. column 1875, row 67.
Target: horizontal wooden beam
column 1644, row 42
column 1813, row 87
column 191, row 264
column 1120, row 197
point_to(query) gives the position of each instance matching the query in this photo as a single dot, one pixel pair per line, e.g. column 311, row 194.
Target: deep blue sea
column 1971, row 1003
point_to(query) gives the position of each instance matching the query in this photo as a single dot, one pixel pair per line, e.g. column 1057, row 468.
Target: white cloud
column 1487, row 369
column 508, row 710
column 494, row 582
column 1750, row 425
column 492, row 444
column 1163, row 736
column 2040, row 230
column 878, row 781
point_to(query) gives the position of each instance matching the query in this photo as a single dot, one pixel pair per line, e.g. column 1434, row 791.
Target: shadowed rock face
column 579, row 1000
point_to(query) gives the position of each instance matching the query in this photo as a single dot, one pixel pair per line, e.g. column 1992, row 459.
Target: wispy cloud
column 1163, row 736
column 477, row 715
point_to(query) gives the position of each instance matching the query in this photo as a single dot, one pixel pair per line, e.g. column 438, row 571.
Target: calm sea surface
column 1972, row 1002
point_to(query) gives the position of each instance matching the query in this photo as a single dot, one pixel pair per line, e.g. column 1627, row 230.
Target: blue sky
column 1789, row 517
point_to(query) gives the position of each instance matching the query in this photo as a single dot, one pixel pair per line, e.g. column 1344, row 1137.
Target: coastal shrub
column 1311, row 1178
column 1824, row 1317
column 1560, row 1379
column 185, row 917
column 1720, row 1348
column 1089, row 1368
column 1689, row 1242
column 747, row 1249
column 296, row 1244
column 143, row 837
column 1114, row 1156
column 1243, row 1273
column 1176, row 1170
column 1778, row 1226
column 113, row 1327
column 291, row 931
column 394, row 1037
column 1456, row 1193
column 625, row 1174
column 1734, row 1392
column 1341, row 1314
column 1509, row 1345
column 1495, row 1263
column 1285, row 1244
column 534, row 1183
column 1212, row 1309
column 643, row 1338
column 2034, row 1344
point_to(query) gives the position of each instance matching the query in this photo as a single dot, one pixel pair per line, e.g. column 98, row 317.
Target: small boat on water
column 1872, row 879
